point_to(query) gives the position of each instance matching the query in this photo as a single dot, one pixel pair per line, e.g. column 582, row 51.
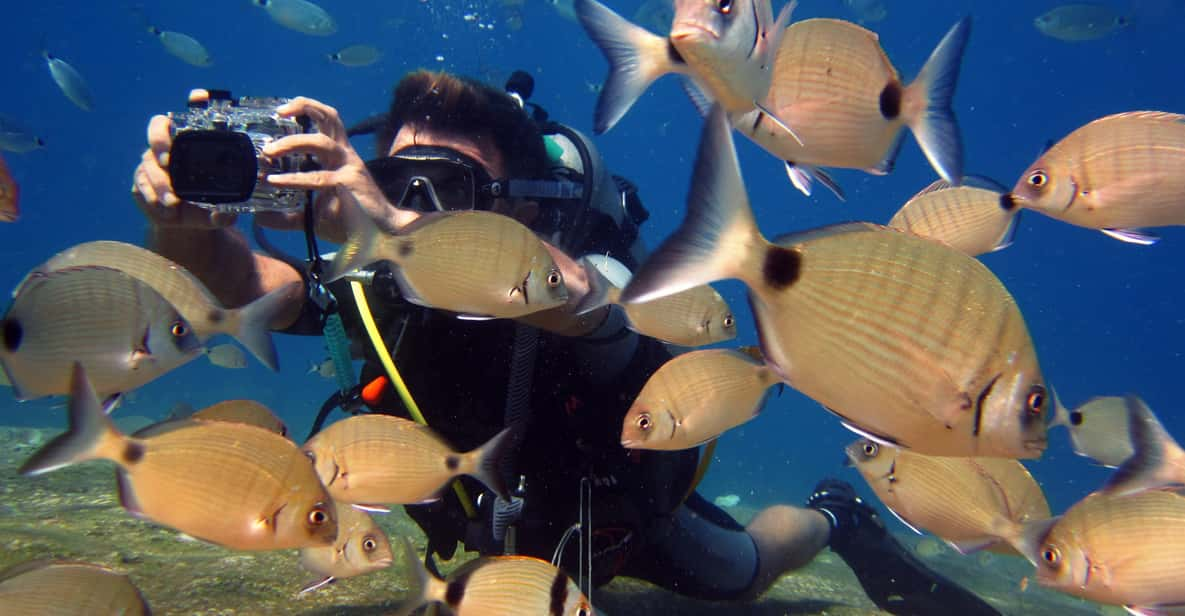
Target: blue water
column 1106, row 316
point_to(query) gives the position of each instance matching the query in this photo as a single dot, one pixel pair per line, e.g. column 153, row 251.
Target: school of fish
column 896, row 330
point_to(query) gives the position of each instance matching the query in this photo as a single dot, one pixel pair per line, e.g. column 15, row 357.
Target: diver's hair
column 454, row 104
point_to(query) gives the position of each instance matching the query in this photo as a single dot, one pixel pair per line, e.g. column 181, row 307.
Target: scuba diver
column 580, row 499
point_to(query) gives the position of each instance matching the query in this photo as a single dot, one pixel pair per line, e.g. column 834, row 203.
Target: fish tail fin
column 934, row 124
column 423, row 587
column 601, row 291
column 1030, row 536
column 486, row 462
column 255, row 321
column 636, row 58
column 91, row 435
column 1061, row 414
column 719, row 237
column 363, row 238
column 1157, row 460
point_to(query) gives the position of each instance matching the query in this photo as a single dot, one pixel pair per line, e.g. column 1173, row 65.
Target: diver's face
column 478, row 147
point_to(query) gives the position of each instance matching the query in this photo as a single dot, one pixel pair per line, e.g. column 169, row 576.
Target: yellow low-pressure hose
column 372, row 331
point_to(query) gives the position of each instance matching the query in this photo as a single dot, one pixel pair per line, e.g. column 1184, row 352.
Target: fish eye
column 554, row 278
column 724, row 6
column 728, row 321
column 1036, row 400
column 871, row 449
column 1051, row 556
column 1038, row 179
column 318, row 516
column 643, row 422
column 179, row 329
column 369, row 544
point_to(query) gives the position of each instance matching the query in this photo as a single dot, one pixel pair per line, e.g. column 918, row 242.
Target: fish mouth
column 1035, row 445
column 691, row 30
column 628, row 443
column 383, row 563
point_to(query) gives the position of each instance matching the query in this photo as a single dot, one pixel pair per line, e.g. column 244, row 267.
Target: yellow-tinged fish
column 118, row 327
column 235, row 485
column 361, row 547
column 496, row 586
column 473, row 262
column 1157, row 461
column 971, row 503
column 695, row 397
column 906, row 339
column 62, row 588
column 247, row 412
column 1119, row 550
column 1116, row 174
column 382, row 459
column 725, row 47
column 1098, row 429
column 1079, row 22
column 227, row 356
column 250, row 324
column 847, row 104
column 969, row 218
column 10, row 195
column 695, row 317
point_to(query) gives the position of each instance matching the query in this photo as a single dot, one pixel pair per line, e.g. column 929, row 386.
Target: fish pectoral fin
column 315, row 584
column 778, row 121
column 474, row 317
column 1132, row 236
column 370, row 508
column 270, row 522
column 1168, row 609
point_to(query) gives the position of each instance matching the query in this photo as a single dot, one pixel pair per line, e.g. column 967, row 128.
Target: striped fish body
column 836, row 87
column 969, row 218
column 249, row 324
column 1122, row 171
column 695, row 397
column 695, row 317
column 514, row 585
column 373, row 459
column 121, row 330
column 906, row 339
column 473, row 262
column 49, row 588
column 1120, row 550
column 969, row 502
column 173, row 282
column 233, row 484
column 247, row 412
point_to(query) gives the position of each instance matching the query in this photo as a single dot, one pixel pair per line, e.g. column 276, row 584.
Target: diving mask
column 433, row 178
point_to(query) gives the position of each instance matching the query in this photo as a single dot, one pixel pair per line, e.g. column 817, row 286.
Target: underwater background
column 1106, row 316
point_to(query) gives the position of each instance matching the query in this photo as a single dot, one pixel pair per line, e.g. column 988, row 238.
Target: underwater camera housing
column 216, row 161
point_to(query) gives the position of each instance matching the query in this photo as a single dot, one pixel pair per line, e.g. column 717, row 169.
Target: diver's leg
column 701, row 552
column 895, row 579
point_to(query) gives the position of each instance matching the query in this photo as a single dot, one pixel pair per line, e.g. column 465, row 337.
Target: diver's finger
column 160, row 138
column 308, row 180
column 326, row 118
column 317, row 144
column 162, row 185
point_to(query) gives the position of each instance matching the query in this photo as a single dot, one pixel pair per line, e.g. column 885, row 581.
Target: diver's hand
column 153, row 190
column 342, row 181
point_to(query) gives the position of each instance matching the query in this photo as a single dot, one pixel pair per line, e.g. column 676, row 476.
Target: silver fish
column 16, row 137
column 69, row 80
column 356, row 55
column 182, row 46
column 299, row 15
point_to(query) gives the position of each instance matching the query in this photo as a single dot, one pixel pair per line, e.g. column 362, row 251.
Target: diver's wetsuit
column 458, row 371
